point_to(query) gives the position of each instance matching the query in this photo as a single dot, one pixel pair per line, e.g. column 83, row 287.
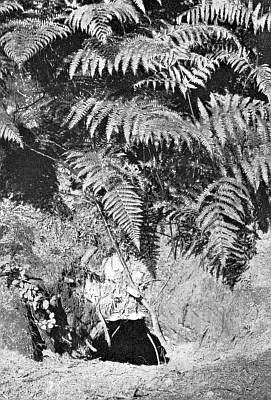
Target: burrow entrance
column 131, row 342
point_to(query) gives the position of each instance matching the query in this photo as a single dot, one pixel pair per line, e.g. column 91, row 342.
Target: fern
column 6, row 7
column 131, row 52
column 198, row 35
column 243, row 131
column 138, row 121
column 227, row 11
column 94, row 19
column 163, row 50
column 222, row 215
column 262, row 75
column 192, row 74
column 8, row 130
column 118, row 186
column 29, row 36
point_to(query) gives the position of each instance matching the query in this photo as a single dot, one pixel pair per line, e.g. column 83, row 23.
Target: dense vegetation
column 156, row 113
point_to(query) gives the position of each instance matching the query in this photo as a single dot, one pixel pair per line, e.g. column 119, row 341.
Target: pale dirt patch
column 204, row 377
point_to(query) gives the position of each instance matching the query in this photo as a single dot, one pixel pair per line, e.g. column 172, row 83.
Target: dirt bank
column 64, row 379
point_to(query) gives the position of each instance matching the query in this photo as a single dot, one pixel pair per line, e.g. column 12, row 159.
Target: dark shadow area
column 132, row 342
column 28, row 177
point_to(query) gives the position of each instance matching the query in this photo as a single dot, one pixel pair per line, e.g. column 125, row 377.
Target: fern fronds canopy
column 169, row 48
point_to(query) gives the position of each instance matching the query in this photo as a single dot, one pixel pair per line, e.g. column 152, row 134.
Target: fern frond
column 238, row 60
column 262, row 76
column 8, row 130
column 8, row 6
column 125, row 207
column 222, row 214
column 150, row 53
column 187, row 76
column 138, row 121
column 224, row 117
column 29, row 36
column 160, row 51
column 229, row 11
column 94, row 19
column 242, row 127
column 107, row 177
column 198, row 35
column 264, row 22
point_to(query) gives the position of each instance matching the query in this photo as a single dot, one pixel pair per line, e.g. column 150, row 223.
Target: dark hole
column 132, row 342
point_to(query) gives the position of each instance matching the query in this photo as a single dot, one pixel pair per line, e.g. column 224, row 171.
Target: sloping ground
column 232, row 379
column 223, row 351
column 194, row 307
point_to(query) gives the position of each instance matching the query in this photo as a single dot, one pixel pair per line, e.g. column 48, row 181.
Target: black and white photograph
column 135, row 200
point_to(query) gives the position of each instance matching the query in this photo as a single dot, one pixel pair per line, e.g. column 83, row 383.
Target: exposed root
column 155, row 348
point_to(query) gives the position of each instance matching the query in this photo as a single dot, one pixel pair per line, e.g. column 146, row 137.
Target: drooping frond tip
column 221, row 217
column 29, row 36
column 8, row 131
column 108, row 178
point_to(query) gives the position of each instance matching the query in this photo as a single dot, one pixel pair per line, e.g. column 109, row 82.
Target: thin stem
column 138, row 296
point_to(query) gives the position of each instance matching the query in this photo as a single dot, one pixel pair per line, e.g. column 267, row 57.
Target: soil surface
column 65, row 378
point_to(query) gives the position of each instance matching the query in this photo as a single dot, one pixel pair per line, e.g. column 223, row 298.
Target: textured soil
column 196, row 371
column 64, row 379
